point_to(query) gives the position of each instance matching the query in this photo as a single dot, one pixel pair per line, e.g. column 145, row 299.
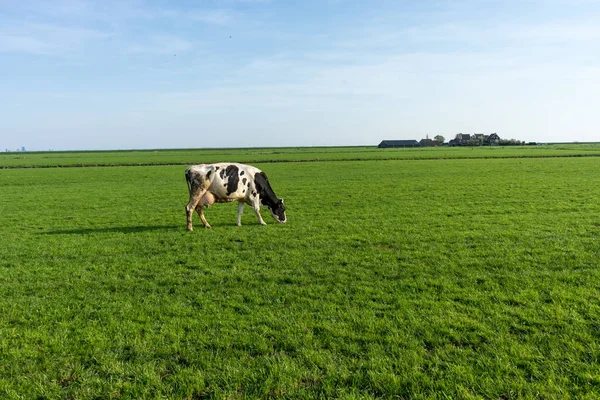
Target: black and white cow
column 229, row 182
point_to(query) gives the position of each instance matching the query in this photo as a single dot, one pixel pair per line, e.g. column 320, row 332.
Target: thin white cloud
column 162, row 44
column 561, row 31
column 22, row 44
column 216, row 17
column 69, row 26
column 243, row 1
column 46, row 38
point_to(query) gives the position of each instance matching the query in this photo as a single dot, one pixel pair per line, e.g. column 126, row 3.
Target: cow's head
column 278, row 211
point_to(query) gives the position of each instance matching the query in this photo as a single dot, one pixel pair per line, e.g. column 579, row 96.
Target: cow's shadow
column 116, row 229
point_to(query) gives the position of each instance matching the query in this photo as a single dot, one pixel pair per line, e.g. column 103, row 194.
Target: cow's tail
column 188, row 178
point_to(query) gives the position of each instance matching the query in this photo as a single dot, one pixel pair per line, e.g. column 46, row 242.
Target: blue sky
column 129, row 74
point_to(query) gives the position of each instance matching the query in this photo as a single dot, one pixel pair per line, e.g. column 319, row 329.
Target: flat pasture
column 416, row 278
column 292, row 154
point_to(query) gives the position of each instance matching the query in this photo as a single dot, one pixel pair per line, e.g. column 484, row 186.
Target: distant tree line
column 461, row 139
column 481, row 139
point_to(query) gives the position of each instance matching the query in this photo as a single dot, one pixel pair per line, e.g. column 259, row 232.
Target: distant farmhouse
column 429, row 143
column 388, row 144
column 461, row 139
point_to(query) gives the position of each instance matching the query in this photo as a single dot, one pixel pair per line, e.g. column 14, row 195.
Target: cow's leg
column 200, row 210
column 195, row 195
column 256, row 207
column 205, row 202
column 240, row 211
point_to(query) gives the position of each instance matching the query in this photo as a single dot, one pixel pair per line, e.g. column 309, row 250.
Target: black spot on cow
column 232, row 178
column 262, row 185
column 254, row 194
column 241, row 173
column 222, row 174
column 244, row 181
column 208, row 174
column 217, row 168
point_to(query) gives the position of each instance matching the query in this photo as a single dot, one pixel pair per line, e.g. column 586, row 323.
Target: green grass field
column 190, row 156
column 401, row 274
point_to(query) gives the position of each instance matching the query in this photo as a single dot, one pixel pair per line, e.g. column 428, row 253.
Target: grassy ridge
column 451, row 278
column 195, row 156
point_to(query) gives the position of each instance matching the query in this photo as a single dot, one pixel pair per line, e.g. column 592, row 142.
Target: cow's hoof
column 190, row 229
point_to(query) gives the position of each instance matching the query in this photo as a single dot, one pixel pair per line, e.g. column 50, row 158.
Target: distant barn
column 386, row 144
